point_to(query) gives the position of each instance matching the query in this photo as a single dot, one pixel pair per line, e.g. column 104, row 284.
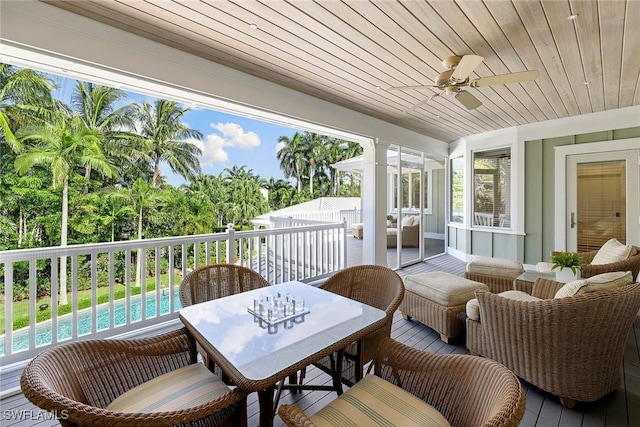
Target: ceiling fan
column 456, row 76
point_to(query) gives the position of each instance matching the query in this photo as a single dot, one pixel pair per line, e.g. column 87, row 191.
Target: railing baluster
column 32, row 302
column 112, row 314
column 8, row 308
column 128, row 285
column 94, row 292
column 74, row 294
column 172, row 284
column 158, row 281
column 54, row 299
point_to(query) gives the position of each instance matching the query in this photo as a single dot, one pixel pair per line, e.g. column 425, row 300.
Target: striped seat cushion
column 183, row 388
column 374, row 401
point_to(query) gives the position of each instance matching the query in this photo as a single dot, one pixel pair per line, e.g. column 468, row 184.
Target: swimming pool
column 65, row 323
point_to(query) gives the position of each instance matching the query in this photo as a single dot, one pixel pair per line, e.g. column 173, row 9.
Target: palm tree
column 95, row 105
column 165, row 136
column 291, row 157
column 338, row 150
column 245, row 199
column 62, row 145
column 115, row 209
column 21, row 90
column 213, row 188
column 143, row 199
column 314, row 152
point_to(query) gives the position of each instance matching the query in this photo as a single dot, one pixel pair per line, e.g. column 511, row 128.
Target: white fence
column 305, row 252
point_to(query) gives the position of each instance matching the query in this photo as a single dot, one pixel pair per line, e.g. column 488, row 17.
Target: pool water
column 65, row 323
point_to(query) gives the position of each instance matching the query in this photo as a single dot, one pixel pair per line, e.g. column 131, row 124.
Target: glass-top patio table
column 256, row 352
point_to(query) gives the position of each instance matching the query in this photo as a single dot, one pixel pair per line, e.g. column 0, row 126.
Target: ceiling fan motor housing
column 450, row 62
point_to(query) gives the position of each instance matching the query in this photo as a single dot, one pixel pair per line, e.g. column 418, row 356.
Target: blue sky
column 227, row 139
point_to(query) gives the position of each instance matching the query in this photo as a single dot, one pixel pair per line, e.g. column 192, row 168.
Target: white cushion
column 611, row 251
column 407, row 221
column 473, row 307
column 495, row 267
column 184, row 388
column 374, row 401
column 599, row 282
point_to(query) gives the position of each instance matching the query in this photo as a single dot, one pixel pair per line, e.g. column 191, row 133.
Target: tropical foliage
column 89, row 171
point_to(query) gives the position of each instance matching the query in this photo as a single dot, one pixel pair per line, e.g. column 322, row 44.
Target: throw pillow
column 611, row 251
column 599, row 282
column 407, row 221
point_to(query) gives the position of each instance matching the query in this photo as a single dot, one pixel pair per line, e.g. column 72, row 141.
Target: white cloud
column 212, row 149
column 214, row 145
column 235, row 136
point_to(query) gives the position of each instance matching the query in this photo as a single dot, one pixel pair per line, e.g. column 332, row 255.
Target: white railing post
column 230, row 244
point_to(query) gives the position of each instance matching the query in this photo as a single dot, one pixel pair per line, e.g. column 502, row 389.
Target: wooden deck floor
column 619, row 409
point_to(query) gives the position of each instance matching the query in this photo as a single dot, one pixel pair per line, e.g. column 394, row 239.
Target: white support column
column 374, row 204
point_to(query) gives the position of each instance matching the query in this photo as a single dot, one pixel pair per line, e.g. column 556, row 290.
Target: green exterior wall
column 539, row 209
column 540, row 188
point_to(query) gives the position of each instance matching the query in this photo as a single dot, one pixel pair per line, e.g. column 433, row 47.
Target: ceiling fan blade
column 424, row 101
column 468, row 100
column 465, row 67
column 522, row 76
column 409, row 87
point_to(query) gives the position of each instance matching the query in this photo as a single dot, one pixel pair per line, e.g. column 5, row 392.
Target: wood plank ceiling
column 351, row 52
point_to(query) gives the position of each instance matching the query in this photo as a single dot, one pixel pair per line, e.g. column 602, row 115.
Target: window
column 457, row 195
column 492, row 188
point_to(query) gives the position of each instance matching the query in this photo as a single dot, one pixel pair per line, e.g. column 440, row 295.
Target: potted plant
column 568, row 265
column 390, row 220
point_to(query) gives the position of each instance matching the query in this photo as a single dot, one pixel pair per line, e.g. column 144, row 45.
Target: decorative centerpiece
column 568, row 265
column 270, row 310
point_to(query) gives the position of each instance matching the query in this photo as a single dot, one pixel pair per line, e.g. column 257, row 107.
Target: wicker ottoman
column 497, row 273
column 438, row 300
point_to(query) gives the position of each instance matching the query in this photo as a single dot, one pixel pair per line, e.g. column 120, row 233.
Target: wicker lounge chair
column 467, row 391
column 77, row 381
column 570, row 347
column 217, row 281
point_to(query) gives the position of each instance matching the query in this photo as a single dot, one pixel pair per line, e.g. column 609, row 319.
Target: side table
column 525, row 281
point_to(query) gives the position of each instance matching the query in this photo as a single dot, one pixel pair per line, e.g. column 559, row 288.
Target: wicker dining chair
column 466, row 390
column 79, row 380
column 374, row 285
column 216, row 281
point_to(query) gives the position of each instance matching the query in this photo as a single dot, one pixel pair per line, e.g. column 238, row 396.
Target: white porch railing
column 305, row 252
column 350, row 216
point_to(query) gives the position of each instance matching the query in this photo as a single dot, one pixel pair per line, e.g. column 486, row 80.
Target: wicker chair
column 78, row 380
column 467, row 391
column 570, row 347
column 373, row 285
column 216, row 281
